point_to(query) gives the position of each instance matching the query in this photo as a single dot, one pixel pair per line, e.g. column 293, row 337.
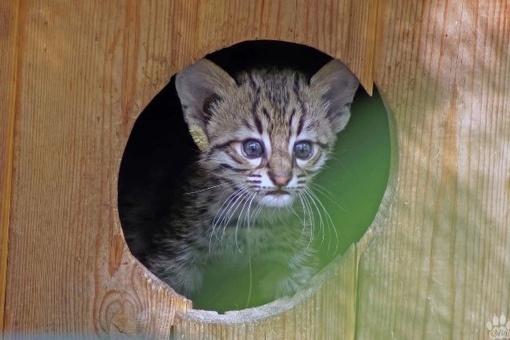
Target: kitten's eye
column 303, row 150
column 252, row 148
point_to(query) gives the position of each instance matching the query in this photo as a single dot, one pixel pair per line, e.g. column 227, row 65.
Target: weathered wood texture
column 439, row 266
column 436, row 263
column 8, row 27
column 84, row 71
column 78, row 83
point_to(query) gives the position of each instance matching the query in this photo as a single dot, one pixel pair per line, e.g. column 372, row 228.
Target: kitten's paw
column 185, row 281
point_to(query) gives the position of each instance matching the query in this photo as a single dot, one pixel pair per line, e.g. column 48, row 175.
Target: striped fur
column 238, row 206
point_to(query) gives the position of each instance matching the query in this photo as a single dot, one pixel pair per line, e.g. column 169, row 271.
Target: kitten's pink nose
column 280, row 180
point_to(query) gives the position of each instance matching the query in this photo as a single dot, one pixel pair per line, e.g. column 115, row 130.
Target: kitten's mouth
column 278, row 192
column 277, row 198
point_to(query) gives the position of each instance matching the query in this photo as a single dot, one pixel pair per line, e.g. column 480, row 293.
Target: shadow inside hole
column 160, row 148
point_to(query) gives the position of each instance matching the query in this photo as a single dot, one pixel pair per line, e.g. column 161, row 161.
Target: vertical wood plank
column 69, row 270
column 8, row 91
column 440, row 268
column 343, row 29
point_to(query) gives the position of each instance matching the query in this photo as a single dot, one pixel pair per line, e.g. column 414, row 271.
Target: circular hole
column 347, row 190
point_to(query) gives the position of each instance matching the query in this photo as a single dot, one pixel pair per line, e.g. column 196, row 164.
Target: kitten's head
column 267, row 132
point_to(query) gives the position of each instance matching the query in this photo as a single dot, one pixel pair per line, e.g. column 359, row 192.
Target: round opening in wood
column 250, row 171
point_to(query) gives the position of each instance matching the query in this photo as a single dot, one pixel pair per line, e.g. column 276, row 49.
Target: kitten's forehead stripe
column 266, row 113
column 300, row 125
column 291, row 123
column 258, row 123
column 291, row 119
column 256, row 101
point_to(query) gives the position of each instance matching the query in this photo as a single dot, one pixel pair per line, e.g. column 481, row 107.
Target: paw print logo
column 499, row 328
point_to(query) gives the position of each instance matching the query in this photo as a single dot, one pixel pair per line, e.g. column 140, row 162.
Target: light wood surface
column 8, row 57
column 436, row 262
column 439, row 267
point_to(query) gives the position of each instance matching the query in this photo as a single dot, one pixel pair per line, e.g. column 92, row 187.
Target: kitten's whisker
column 326, row 193
column 257, row 210
column 331, row 224
column 240, row 216
column 234, row 206
column 247, row 216
column 321, row 220
column 227, row 204
column 306, row 211
column 220, row 216
column 232, row 209
column 205, row 189
column 311, row 227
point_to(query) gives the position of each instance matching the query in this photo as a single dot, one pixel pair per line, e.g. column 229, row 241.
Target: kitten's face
column 268, row 136
column 268, row 133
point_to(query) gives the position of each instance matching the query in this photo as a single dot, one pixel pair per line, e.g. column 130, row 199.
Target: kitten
column 263, row 136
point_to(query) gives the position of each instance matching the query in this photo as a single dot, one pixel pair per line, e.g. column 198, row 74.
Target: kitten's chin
column 277, row 200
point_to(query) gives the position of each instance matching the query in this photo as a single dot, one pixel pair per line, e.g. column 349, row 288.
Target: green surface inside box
column 350, row 187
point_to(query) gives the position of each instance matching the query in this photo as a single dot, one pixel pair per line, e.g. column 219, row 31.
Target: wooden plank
column 440, row 268
column 8, row 59
column 69, row 269
column 343, row 29
column 85, row 72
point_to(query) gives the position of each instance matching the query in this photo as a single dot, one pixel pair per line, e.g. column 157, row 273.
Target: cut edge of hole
column 276, row 307
column 315, row 284
column 390, row 191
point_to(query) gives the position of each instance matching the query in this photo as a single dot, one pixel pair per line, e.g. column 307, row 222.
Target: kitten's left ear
column 198, row 87
column 337, row 86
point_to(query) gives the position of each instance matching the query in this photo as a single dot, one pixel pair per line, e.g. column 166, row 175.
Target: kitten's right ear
column 337, row 86
column 198, row 86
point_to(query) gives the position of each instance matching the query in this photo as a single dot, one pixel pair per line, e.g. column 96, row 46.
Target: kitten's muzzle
column 280, row 180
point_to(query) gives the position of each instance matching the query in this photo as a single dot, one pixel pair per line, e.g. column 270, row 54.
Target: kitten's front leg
column 180, row 271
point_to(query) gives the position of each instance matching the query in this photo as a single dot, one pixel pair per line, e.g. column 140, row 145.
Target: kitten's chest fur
column 230, row 227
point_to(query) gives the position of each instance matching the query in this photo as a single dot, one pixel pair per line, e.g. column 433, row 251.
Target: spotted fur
column 237, row 208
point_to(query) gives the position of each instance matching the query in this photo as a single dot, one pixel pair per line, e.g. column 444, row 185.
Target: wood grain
column 440, row 267
column 435, row 263
column 69, row 269
column 8, row 91
column 85, row 71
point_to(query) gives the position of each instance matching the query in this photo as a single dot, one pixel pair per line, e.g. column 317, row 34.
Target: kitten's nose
column 280, row 180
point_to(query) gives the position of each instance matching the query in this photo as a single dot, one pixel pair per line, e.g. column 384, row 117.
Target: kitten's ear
column 198, row 86
column 337, row 86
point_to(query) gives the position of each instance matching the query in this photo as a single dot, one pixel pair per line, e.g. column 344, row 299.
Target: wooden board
column 439, row 266
column 8, row 58
column 68, row 269
column 84, row 73
column 435, row 263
